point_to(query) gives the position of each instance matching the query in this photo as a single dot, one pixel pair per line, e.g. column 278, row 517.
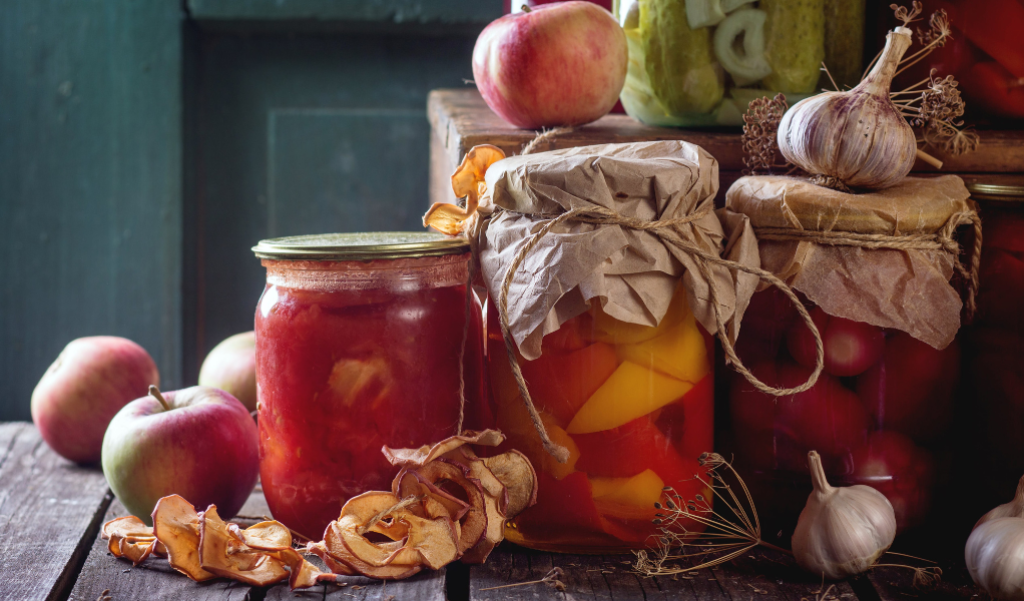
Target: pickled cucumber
column 679, row 63
column 795, row 48
column 844, row 43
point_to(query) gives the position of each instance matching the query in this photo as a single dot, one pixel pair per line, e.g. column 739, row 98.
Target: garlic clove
column 842, row 531
column 994, row 554
column 1014, row 508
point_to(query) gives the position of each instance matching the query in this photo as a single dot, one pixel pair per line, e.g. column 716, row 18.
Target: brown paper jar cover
column 904, row 289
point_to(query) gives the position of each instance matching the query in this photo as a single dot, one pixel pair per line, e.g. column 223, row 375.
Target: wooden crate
column 460, row 120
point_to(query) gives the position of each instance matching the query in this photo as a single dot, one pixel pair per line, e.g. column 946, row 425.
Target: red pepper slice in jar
column 561, row 383
column 630, row 449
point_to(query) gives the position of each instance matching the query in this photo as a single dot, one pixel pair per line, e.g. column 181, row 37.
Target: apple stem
column 525, row 8
column 155, row 393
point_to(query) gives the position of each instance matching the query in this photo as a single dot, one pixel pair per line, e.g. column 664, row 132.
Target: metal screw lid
column 366, row 246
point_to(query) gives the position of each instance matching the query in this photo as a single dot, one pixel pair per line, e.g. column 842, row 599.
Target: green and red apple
column 556, row 65
column 90, row 381
column 231, row 366
column 200, row 443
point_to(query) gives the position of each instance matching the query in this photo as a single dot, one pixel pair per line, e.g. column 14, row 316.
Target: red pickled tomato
column 631, row 448
column 765, row 322
column 828, row 417
column 911, row 389
column 800, row 339
column 892, row 464
column 1001, row 297
column 851, row 347
column 561, row 383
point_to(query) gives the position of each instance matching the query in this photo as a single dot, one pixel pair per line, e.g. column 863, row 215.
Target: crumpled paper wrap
column 905, row 289
column 631, row 273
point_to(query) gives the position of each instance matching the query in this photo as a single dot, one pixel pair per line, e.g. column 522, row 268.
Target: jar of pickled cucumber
column 701, row 62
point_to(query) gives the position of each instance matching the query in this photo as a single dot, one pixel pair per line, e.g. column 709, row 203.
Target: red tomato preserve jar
column 882, row 412
column 994, row 343
column 634, row 407
column 358, row 345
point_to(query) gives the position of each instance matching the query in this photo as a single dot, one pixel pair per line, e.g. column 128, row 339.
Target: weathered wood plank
column 760, row 574
column 49, row 511
column 460, row 117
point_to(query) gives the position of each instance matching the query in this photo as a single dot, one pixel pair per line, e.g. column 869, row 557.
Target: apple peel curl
column 467, row 181
column 445, row 504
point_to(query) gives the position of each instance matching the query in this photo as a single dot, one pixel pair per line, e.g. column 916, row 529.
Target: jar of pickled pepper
column 608, row 321
column 874, row 271
column 362, row 341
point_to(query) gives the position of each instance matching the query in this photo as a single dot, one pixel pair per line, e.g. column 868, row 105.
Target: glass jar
column 701, row 62
column 633, row 405
column 882, row 410
column 994, row 343
column 358, row 345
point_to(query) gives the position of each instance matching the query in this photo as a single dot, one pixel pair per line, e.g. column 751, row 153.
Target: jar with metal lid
column 362, row 340
column 994, row 343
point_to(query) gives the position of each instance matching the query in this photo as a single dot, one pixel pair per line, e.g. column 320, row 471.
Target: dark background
column 146, row 145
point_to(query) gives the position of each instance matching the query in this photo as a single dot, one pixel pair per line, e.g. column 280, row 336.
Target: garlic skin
column 842, row 531
column 857, row 138
column 1013, row 509
column 995, row 557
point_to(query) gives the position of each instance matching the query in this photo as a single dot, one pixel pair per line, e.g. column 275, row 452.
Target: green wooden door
column 146, row 146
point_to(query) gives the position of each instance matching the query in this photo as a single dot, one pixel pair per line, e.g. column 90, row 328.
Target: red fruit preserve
column 361, row 341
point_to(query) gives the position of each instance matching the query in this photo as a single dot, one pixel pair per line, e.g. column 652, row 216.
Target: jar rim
column 996, row 192
column 362, row 246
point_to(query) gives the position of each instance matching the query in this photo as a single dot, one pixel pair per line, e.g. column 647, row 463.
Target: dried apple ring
column 176, row 525
column 468, row 181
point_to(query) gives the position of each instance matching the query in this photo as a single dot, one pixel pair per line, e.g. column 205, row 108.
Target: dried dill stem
column 730, row 530
column 760, row 134
column 551, row 580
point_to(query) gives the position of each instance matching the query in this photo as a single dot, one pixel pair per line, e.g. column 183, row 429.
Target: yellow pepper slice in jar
column 632, row 391
column 680, row 352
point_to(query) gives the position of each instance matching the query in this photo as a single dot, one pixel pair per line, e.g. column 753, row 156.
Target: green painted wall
column 90, row 183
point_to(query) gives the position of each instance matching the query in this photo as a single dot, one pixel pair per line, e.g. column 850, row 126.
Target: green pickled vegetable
column 795, row 44
column 683, row 75
column 844, row 43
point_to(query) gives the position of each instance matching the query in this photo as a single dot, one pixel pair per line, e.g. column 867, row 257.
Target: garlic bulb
column 995, row 557
column 857, row 138
column 1013, row 509
column 842, row 531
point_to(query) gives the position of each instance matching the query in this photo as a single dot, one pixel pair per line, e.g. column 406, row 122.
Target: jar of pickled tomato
column 882, row 411
column 362, row 340
column 634, row 407
column 994, row 343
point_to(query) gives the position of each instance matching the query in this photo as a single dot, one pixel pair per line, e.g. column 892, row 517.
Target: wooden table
column 459, row 120
column 51, row 512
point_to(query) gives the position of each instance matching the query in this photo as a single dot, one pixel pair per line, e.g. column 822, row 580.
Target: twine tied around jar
column 943, row 239
column 666, row 230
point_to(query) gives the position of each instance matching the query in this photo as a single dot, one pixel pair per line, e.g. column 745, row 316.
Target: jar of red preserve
column 362, row 341
column 874, row 270
column 994, row 344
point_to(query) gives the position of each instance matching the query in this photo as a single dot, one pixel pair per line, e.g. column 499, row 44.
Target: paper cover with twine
column 630, row 272
column 906, row 289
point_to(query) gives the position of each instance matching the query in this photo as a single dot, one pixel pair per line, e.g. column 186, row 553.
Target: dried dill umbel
column 760, row 131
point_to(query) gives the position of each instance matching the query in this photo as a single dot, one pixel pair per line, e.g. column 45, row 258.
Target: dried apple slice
column 129, row 538
column 303, row 574
column 468, row 181
column 268, row 536
column 223, row 553
column 516, row 472
column 411, row 483
column 426, row 453
column 340, row 555
column 355, row 521
column 335, row 566
column 176, row 526
column 473, row 524
column 435, row 540
column 493, row 534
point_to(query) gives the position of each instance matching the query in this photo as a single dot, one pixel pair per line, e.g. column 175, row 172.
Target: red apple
column 85, row 387
column 231, row 366
column 911, row 389
column 800, row 340
column 200, row 443
column 890, row 463
column 558, row 64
